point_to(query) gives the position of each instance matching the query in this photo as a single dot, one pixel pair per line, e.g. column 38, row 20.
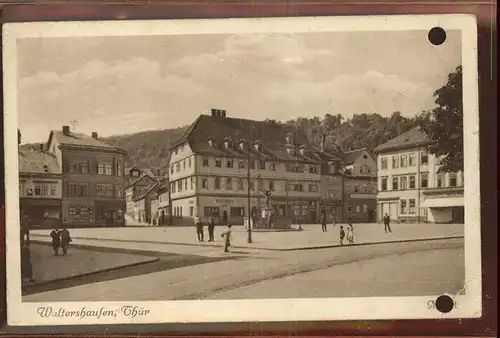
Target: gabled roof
column 33, row 161
column 147, row 192
column 140, row 179
column 352, row 155
column 412, row 138
column 80, row 140
column 271, row 136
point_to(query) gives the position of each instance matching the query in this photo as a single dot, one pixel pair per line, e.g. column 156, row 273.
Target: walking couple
column 60, row 239
column 199, row 229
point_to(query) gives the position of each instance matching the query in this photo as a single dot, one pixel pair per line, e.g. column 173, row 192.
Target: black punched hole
column 444, row 304
column 437, row 36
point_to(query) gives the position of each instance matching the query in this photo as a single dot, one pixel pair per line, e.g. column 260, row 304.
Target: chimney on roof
column 65, row 130
column 95, row 135
column 218, row 112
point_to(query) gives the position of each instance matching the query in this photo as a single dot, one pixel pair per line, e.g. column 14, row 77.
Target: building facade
column 411, row 188
column 222, row 166
column 137, row 188
column 40, row 189
column 92, row 178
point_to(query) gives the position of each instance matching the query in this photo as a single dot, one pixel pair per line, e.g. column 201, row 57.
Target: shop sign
column 223, row 201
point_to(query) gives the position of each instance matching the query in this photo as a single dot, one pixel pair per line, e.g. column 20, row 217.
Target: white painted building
column 208, row 170
column 410, row 189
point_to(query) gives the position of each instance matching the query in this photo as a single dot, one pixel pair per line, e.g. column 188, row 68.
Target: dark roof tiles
column 33, row 161
column 412, row 138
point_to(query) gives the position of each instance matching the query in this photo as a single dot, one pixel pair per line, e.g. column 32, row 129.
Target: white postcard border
column 368, row 308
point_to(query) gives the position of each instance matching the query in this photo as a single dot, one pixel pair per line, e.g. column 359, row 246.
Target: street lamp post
column 249, row 227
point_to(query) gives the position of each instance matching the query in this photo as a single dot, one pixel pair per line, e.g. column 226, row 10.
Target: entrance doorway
column 224, row 216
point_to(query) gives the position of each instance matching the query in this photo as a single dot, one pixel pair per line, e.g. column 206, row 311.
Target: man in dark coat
column 211, row 229
column 26, row 267
column 387, row 221
column 323, row 222
column 199, row 229
column 56, row 241
column 65, row 240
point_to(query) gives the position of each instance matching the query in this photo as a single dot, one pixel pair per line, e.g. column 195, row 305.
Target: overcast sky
column 117, row 85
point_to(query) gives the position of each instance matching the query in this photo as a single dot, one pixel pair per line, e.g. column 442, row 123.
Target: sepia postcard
column 240, row 170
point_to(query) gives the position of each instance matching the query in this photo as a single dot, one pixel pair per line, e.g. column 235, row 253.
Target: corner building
column 209, row 168
column 410, row 187
column 92, row 179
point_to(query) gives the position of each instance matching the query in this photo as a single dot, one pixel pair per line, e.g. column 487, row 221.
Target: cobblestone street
column 334, row 272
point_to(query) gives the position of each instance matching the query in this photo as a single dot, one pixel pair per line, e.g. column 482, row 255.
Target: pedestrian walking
column 334, row 221
column 387, row 225
column 227, row 238
column 211, row 229
column 323, row 222
column 25, row 234
column 350, row 233
column 342, row 235
column 26, row 266
column 65, row 240
column 56, row 241
column 199, row 229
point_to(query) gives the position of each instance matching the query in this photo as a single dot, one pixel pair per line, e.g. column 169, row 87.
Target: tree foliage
column 444, row 124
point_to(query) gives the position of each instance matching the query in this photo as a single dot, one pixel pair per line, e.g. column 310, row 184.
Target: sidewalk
column 310, row 238
column 48, row 267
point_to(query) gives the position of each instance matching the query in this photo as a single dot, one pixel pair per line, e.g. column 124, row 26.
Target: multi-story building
column 332, row 186
column 137, row 188
column 40, row 189
column 93, row 179
column 360, row 198
column 360, row 186
column 221, row 166
column 410, row 186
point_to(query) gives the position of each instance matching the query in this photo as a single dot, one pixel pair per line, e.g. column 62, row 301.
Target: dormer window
column 211, row 142
column 241, row 144
column 257, row 146
column 302, row 150
column 227, row 142
column 288, row 138
column 290, row 150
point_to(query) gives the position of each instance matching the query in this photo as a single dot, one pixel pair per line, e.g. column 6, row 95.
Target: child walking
column 350, row 233
column 227, row 238
column 342, row 235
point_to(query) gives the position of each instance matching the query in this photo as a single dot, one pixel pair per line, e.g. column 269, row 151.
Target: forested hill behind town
column 149, row 149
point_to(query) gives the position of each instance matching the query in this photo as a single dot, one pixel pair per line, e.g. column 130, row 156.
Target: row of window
column 40, row 189
column 188, row 184
column 101, row 190
column 242, row 164
column 409, row 181
column 103, row 169
column 404, row 160
column 407, row 206
column 352, row 207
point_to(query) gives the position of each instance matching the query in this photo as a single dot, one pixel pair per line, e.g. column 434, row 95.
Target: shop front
column 228, row 209
column 40, row 213
column 109, row 213
column 299, row 210
column 333, row 209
